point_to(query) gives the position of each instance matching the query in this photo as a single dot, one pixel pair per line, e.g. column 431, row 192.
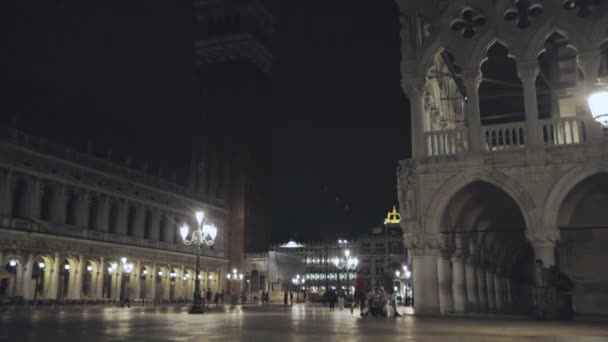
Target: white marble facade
column 485, row 195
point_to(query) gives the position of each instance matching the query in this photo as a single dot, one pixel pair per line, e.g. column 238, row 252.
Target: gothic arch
column 561, row 188
column 538, row 39
column 479, row 53
column 599, row 33
column 441, row 199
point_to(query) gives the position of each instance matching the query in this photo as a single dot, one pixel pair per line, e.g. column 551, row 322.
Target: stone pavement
column 300, row 323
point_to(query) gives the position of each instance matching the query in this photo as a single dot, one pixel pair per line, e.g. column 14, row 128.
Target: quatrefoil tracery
column 522, row 12
column 469, row 22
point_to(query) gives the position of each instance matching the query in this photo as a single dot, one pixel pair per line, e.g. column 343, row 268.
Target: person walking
column 360, row 292
column 340, row 300
column 291, row 298
column 285, row 298
column 332, row 300
column 208, row 297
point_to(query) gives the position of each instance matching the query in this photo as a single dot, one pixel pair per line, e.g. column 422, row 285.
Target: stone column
column 415, row 92
column 99, row 278
column 459, row 284
column 153, row 281
column 18, row 281
column 472, row 292
column 543, row 241
column 28, row 283
column 509, row 296
column 34, row 197
column 426, row 283
column 136, row 281
column 527, row 72
column 490, row 290
column 80, row 273
column 498, row 290
column 481, row 289
column 444, row 277
column 472, row 79
column 53, row 290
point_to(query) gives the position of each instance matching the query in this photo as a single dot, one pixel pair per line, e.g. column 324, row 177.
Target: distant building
column 375, row 254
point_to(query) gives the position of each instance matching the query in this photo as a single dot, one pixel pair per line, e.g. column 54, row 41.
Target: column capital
column 423, row 243
column 459, row 256
column 544, row 237
column 413, row 86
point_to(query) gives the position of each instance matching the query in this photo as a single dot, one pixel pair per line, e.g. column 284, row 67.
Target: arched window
column 113, row 218
column 20, row 199
column 501, row 94
column 93, row 223
column 148, row 225
column 71, row 207
column 131, row 221
column 162, row 228
column 46, row 203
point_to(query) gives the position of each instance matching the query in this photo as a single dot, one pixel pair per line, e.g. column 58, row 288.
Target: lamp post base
column 196, row 309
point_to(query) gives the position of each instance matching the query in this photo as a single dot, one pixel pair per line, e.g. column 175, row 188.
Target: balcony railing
column 503, row 137
column 448, row 142
column 563, row 131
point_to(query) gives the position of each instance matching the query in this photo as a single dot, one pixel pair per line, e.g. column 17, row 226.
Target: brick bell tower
column 231, row 159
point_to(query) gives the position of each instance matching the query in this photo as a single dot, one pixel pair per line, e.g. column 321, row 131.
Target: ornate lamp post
column 347, row 263
column 234, row 277
column 204, row 235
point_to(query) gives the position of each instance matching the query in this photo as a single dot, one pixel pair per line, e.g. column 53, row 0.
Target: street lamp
column 204, row 235
column 598, row 104
column 347, row 263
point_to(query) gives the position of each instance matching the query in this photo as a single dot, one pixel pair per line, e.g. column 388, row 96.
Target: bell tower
column 231, row 159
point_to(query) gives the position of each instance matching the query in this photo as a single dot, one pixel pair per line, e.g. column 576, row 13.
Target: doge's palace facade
column 508, row 165
column 74, row 227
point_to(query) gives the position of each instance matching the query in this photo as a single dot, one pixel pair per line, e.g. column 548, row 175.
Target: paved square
column 300, row 323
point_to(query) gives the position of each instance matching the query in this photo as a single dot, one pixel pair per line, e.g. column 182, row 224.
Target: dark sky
column 122, row 73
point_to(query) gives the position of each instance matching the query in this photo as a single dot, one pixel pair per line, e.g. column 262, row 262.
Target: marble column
column 481, row 289
column 415, row 91
column 153, row 282
column 472, row 79
column 472, row 291
column 76, row 281
column 444, row 277
column 99, row 278
column 509, row 295
column 28, row 283
column 53, row 291
column 136, row 281
column 490, row 291
column 498, row 290
column 18, row 281
column 426, row 284
column 459, row 284
column 527, row 72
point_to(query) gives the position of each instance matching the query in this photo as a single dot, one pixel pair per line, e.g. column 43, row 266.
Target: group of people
column 371, row 301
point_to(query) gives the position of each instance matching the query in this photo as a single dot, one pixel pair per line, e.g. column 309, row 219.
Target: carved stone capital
column 471, row 79
column 423, row 243
column 545, row 237
column 527, row 70
column 459, row 256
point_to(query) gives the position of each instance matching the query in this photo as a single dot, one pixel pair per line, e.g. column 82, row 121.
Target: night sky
column 122, row 74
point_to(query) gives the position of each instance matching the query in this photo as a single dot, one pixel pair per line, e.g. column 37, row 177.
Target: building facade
column 508, row 165
column 379, row 253
column 74, row 227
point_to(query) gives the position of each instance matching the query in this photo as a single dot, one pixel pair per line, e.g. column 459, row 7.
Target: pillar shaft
column 498, row 290
column 472, row 79
column 472, row 292
column 481, row 290
column 426, row 284
column 490, row 291
column 459, row 284
column 444, row 277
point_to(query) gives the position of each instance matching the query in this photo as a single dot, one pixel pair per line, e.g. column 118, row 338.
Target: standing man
column 389, row 288
column 360, row 292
